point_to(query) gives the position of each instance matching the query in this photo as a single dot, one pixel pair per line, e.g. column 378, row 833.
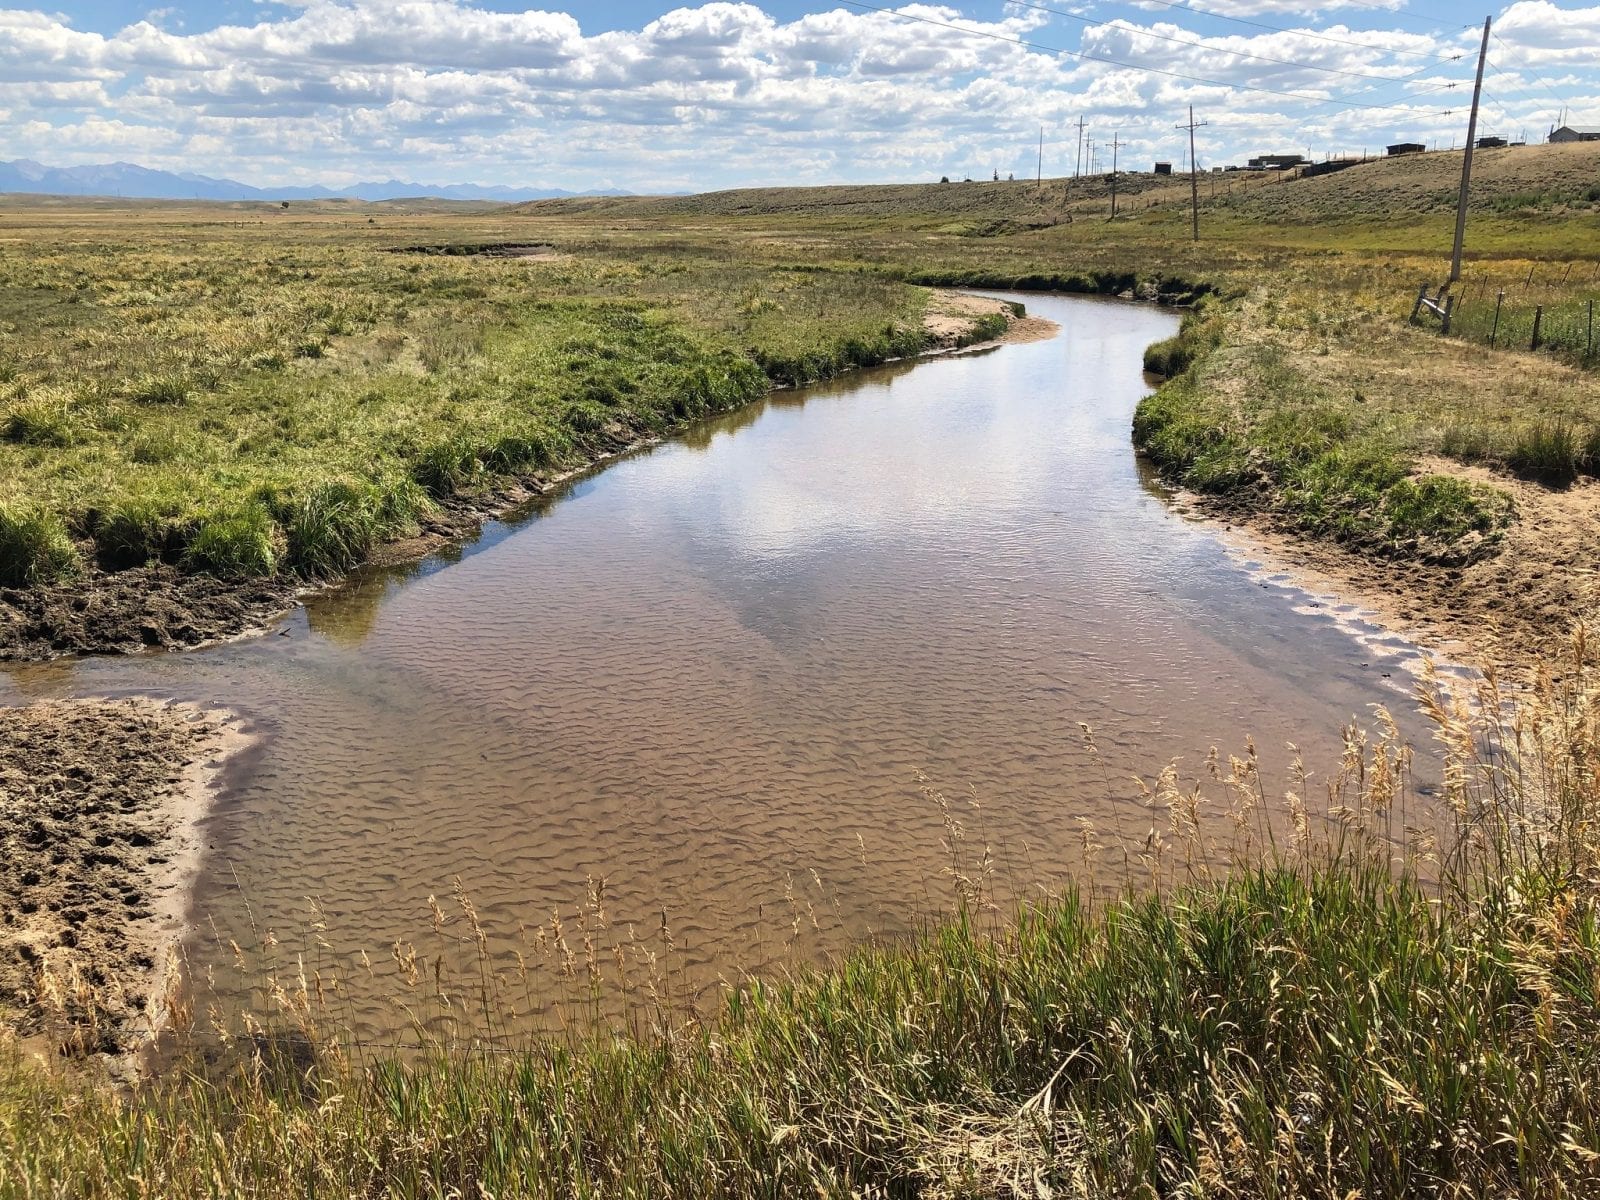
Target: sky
column 648, row 97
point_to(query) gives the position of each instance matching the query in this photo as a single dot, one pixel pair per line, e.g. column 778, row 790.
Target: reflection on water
column 716, row 674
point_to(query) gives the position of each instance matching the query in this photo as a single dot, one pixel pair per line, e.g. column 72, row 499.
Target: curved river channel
column 727, row 675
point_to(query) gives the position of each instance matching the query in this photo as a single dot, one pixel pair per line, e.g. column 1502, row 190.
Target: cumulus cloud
column 724, row 93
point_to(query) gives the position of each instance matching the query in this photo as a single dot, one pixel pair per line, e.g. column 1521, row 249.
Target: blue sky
column 649, row 96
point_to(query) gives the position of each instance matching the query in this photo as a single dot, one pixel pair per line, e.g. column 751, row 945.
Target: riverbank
column 113, row 593
column 1441, row 485
column 101, row 802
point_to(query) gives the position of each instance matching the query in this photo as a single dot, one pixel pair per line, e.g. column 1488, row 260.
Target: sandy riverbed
column 100, row 806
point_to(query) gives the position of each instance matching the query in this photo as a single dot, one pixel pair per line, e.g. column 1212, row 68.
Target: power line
column 1537, row 78
column 1119, row 23
column 1420, row 21
column 1305, row 33
column 1087, row 57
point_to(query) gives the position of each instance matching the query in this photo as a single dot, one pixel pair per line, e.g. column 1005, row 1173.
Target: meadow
column 243, row 390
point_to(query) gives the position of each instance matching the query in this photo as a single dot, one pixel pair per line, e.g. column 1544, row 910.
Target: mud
column 152, row 607
column 99, row 802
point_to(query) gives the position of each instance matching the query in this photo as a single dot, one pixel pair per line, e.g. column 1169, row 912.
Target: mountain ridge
column 132, row 181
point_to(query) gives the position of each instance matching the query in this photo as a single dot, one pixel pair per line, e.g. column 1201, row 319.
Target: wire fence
column 1564, row 328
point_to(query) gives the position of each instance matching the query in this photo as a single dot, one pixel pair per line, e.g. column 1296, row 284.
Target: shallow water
column 716, row 675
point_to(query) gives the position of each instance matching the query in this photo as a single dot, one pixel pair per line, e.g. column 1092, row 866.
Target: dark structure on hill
column 1276, row 162
column 1399, row 148
column 1576, row 133
column 1312, row 170
column 1163, row 168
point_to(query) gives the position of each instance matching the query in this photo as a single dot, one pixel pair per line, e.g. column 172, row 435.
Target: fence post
column 1531, row 268
column 1538, row 319
column 1422, row 294
column 1494, row 334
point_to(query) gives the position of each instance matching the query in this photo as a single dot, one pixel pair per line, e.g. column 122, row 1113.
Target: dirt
column 99, row 803
column 951, row 315
column 152, row 607
column 1508, row 612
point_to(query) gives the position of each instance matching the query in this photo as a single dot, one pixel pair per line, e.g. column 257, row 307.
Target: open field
column 265, row 396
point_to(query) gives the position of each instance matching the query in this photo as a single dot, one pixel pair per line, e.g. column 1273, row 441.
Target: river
column 731, row 675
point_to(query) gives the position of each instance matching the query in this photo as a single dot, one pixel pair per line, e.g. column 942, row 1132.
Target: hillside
column 1511, row 178
column 1021, row 200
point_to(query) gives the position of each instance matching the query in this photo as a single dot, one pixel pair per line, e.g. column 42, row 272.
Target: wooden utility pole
column 1466, row 163
column 1039, row 179
column 1078, row 166
column 1194, row 172
column 1115, row 144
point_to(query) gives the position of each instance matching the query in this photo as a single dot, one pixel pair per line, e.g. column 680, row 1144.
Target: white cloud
column 723, row 93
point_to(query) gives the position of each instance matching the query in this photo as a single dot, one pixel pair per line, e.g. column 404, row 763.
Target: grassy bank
column 254, row 400
column 1247, row 422
column 1370, row 1012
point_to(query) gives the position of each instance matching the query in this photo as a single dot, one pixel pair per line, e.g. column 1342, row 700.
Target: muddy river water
column 724, row 674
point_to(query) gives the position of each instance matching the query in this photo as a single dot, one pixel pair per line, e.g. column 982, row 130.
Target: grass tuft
column 242, row 542
column 35, row 549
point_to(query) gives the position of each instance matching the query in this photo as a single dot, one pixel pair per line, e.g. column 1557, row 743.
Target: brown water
column 715, row 674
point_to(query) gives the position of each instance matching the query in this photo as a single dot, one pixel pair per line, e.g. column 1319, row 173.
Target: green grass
column 285, row 406
column 1247, row 422
column 34, row 549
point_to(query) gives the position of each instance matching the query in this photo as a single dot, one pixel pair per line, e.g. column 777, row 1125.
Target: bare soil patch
column 1504, row 612
column 152, row 607
column 99, row 803
column 951, row 315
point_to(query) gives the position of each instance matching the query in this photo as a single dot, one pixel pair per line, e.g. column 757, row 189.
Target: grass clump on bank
column 34, row 549
column 1247, row 422
column 1354, row 1015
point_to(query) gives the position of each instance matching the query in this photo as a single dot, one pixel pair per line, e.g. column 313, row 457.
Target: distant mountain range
column 136, row 182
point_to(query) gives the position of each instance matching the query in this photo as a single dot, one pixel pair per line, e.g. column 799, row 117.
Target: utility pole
column 1039, row 179
column 1466, row 163
column 1115, row 143
column 1078, row 165
column 1194, row 171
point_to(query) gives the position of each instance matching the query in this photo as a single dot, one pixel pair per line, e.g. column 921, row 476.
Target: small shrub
column 1546, row 451
column 35, row 549
column 240, row 543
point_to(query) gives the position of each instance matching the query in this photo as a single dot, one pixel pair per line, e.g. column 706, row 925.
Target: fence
column 1566, row 328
